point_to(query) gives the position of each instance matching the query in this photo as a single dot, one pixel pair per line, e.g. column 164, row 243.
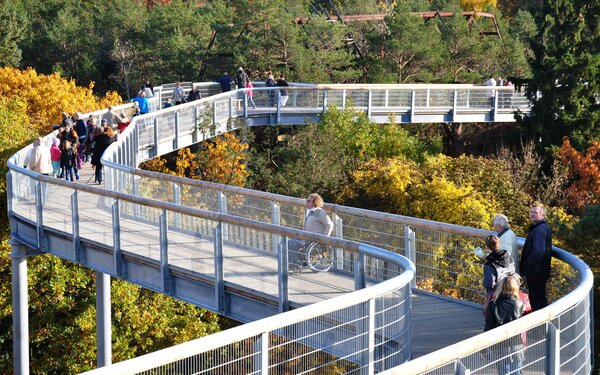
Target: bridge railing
column 368, row 329
column 441, row 252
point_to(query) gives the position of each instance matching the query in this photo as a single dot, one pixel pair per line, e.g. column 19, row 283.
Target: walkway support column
column 20, row 299
column 103, row 326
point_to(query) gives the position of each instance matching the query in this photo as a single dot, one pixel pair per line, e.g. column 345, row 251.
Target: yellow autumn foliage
column 477, row 5
column 224, row 161
column 47, row 96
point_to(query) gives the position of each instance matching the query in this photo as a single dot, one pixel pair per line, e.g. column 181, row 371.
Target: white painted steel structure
column 558, row 338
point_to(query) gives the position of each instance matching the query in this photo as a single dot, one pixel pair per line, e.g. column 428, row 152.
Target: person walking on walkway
column 508, row 239
column 536, row 257
column 225, row 82
column 55, row 154
column 101, row 143
column 249, row 86
column 281, row 82
column 241, row 78
column 178, row 94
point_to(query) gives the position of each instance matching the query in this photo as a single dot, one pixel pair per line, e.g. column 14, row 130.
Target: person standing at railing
column 39, row 159
column 241, row 78
column 281, row 82
column 506, row 306
column 536, row 257
column 270, row 82
column 225, row 82
column 68, row 160
column 315, row 221
column 111, row 117
column 81, row 130
column 178, row 94
column 508, row 239
column 101, row 143
column 194, row 94
column 142, row 102
column 55, row 157
column 498, row 264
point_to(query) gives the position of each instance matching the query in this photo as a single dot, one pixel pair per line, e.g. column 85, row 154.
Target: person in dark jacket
column 281, row 82
column 505, row 307
column 225, row 81
column 101, row 143
column 194, row 94
column 498, row 264
column 241, row 78
column 536, row 257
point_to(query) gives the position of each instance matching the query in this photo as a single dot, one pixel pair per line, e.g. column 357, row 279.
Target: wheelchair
column 311, row 255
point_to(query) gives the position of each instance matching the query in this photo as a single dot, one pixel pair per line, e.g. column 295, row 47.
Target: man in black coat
column 536, row 257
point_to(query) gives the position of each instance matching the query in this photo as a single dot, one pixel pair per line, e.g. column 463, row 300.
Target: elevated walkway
column 225, row 248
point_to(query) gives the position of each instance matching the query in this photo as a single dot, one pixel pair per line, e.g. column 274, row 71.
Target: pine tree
column 565, row 87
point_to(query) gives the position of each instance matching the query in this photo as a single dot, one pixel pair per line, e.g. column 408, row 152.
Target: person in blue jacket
column 142, row 102
column 536, row 257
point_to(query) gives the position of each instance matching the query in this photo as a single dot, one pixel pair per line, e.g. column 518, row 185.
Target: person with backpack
column 498, row 264
column 270, row 82
column 241, row 78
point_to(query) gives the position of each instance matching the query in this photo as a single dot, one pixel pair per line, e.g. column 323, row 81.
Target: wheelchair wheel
column 319, row 257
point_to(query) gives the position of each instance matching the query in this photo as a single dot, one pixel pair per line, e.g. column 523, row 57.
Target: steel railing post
column 196, row 124
column 371, row 337
column 369, row 99
column 495, row 105
column 230, row 106
column 117, row 254
column 275, row 219
column 176, row 141
column 177, row 200
column 164, row 251
column 460, row 368
column 218, row 259
column 412, row 105
column 20, row 313
column 359, row 272
column 245, row 103
column 454, row 104
column 136, row 145
column 75, row 226
column 344, row 98
column 155, row 136
column 283, row 275
column 39, row 215
column 222, row 200
column 278, row 110
column 553, row 349
column 9, row 193
column 338, row 225
column 427, row 98
column 324, row 101
column 409, row 249
column 135, row 187
column 387, row 99
column 214, row 114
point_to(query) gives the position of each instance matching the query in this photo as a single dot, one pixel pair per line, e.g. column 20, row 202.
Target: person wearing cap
column 66, row 120
column 241, row 78
column 225, row 81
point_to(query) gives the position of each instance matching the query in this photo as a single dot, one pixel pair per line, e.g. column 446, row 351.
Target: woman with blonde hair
column 506, row 305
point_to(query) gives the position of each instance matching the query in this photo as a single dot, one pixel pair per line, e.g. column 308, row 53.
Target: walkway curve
column 135, row 145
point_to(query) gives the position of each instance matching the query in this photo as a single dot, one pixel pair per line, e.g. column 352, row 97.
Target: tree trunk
column 454, row 144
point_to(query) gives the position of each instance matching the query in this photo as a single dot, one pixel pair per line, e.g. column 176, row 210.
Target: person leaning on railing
column 315, row 221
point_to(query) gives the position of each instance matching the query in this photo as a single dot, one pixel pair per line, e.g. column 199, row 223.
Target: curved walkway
column 156, row 134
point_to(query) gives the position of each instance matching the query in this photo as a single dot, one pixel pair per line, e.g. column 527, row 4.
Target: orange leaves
column 584, row 173
column 224, row 161
column 47, row 96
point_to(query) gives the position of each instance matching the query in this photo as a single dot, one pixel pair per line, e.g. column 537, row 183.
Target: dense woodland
column 73, row 55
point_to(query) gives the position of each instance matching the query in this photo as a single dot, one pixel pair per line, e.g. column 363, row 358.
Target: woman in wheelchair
column 303, row 253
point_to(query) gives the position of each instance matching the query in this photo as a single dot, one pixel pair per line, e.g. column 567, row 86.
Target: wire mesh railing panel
column 187, row 120
column 191, row 243
column 197, row 197
column 57, row 207
column 335, row 342
column 95, row 217
column 399, row 98
column 525, row 352
column 166, row 126
column 292, row 216
column 140, row 230
column 153, row 188
column 243, row 261
column 357, row 98
column 477, row 99
column 24, row 196
column 242, row 357
column 378, row 98
column 575, row 339
column 446, row 265
column 249, row 207
column 145, row 130
column 305, row 98
column 392, row 329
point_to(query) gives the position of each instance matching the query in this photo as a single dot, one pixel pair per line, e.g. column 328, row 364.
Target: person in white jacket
column 39, row 158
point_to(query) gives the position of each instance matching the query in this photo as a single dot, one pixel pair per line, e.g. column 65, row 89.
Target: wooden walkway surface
column 436, row 321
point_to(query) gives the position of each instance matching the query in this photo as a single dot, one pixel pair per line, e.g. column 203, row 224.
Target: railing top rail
column 252, row 329
column 473, row 344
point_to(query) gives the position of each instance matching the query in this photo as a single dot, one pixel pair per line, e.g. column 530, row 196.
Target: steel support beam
column 20, row 299
column 103, row 325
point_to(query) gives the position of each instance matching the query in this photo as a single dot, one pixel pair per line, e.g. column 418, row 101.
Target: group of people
column 504, row 300
column 179, row 96
column 497, row 82
column 242, row 80
column 75, row 142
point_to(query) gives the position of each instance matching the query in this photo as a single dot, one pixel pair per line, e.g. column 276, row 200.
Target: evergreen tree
column 566, row 73
column 13, row 27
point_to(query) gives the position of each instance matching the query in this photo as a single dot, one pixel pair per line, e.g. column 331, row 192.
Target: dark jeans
column 98, row 173
column 537, row 292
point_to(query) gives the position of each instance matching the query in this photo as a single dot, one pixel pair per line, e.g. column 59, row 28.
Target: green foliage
column 566, row 80
column 13, row 27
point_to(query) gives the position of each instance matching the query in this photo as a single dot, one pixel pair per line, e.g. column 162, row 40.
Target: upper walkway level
column 225, row 248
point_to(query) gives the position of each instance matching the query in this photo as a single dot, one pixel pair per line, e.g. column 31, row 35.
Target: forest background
column 73, row 55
